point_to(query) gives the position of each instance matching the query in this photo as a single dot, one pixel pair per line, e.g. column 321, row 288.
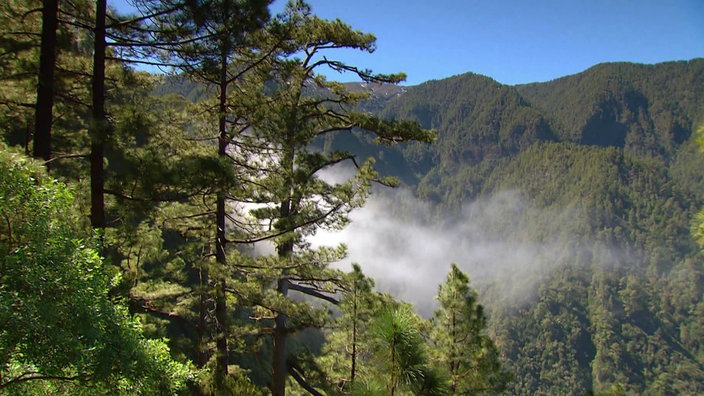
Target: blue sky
column 514, row 41
column 518, row 41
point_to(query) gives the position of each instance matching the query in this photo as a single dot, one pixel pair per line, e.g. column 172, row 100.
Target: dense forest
column 596, row 179
column 160, row 232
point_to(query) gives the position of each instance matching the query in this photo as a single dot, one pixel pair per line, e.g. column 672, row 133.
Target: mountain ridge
column 607, row 162
column 622, row 307
column 478, row 118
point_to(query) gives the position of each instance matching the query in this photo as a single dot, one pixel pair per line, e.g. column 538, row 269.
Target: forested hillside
column 158, row 243
column 160, row 234
column 606, row 160
column 607, row 172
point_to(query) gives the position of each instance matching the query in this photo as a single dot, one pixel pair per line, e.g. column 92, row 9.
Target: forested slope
column 644, row 108
column 613, row 148
column 182, row 213
column 621, row 306
column 607, row 163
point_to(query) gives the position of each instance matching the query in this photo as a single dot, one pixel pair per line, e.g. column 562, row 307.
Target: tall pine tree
column 462, row 346
column 300, row 107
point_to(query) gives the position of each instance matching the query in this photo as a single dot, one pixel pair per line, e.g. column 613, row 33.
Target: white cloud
column 492, row 239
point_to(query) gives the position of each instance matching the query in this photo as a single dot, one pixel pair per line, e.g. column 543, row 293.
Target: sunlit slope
column 648, row 110
column 623, row 307
column 606, row 163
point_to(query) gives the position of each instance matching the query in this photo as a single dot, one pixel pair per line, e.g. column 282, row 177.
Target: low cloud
column 506, row 245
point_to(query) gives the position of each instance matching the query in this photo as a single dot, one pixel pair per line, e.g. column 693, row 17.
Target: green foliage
column 616, row 180
column 347, row 342
column 460, row 342
column 20, row 22
column 698, row 224
column 59, row 322
column 647, row 109
column 594, row 325
column 378, row 346
column 399, row 352
column 606, row 158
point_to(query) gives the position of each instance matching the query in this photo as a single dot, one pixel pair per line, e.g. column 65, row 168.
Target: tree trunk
column 221, row 327
column 45, row 87
column 99, row 122
column 220, row 297
column 394, row 380
column 284, row 251
column 453, row 356
column 220, row 236
column 222, row 357
column 201, row 348
column 353, row 367
column 279, row 365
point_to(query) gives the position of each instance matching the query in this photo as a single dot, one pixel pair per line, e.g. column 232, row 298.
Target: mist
column 505, row 245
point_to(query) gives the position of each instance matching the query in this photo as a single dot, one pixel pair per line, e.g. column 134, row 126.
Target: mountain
column 606, row 179
column 606, row 159
column 649, row 109
column 646, row 108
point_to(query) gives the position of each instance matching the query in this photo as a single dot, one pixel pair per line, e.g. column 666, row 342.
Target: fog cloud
column 503, row 243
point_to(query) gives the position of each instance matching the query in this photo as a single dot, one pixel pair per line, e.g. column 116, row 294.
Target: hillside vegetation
column 164, row 236
column 613, row 147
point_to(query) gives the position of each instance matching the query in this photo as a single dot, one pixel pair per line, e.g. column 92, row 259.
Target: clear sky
column 518, row 41
column 514, row 41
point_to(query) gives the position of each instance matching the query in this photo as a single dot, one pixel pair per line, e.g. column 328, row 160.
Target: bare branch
column 312, row 292
column 293, row 370
column 35, row 375
column 66, row 156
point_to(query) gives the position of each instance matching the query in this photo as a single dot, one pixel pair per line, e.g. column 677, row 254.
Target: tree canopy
column 164, row 242
column 61, row 327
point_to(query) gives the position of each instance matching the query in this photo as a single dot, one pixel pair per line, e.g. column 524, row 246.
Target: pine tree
column 400, row 353
column 41, row 61
column 461, row 344
column 298, row 108
column 347, row 341
column 358, row 308
column 45, row 85
column 210, row 40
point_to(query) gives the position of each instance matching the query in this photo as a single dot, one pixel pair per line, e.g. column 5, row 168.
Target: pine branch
column 23, row 33
column 30, row 12
column 143, row 62
column 10, row 103
column 293, row 370
column 294, row 227
column 312, row 292
column 146, row 306
column 67, row 156
column 207, row 213
column 122, row 22
column 35, row 375
column 17, row 76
